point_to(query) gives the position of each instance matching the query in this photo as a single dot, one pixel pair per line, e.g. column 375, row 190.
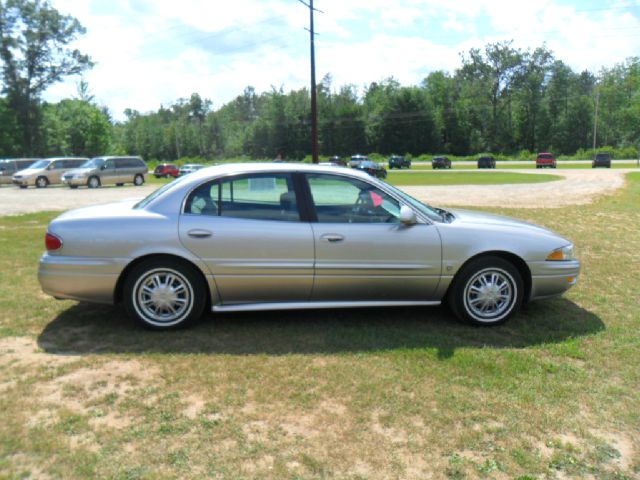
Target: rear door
column 362, row 250
column 248, row 230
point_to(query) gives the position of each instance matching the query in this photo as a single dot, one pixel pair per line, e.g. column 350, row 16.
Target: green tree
column 35, row 53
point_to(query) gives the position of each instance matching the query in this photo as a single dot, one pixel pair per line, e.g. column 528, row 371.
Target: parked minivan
column 107, row 170
column 46, row 172
column 9, row 167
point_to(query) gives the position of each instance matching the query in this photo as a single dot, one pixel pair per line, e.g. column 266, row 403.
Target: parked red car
column 545, row 160
column 166, row 170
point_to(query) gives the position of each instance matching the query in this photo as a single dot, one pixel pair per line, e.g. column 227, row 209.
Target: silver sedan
column 243, row 237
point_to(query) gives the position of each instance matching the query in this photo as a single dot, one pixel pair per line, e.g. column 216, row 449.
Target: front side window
column 340, row 199
column 252, row 197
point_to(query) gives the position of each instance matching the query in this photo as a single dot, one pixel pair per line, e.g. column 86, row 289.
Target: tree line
column 500, row 99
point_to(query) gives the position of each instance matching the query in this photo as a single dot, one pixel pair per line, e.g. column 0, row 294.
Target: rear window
column 545, row 156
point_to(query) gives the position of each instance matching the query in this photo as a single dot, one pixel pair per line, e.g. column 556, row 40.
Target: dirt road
column 578, row 187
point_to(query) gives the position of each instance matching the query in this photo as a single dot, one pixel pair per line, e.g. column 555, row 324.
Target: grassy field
column 444, row 178
column 466, row 178
column 361, row 394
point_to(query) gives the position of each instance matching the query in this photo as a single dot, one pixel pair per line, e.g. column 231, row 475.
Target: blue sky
column 152, row 52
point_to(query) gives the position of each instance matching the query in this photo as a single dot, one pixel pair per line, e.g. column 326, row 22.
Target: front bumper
column 22, row 182
column 74, row 181
column 86, row 279
column 550, row 278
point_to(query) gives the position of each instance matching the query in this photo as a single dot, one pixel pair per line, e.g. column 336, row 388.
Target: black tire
column 23, row 186
column 138, row 180
column 465, row 296
column 93, row 182
column 73, row 187
column 180, row 288
column 119, row 184
column 42, row 182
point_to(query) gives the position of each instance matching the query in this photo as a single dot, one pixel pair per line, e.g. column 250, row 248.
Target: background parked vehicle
column 602, row 159
column 189, row 168
column 107, row 170
column 545, row 160
column 372, row 168
column 357, row 159
column 166, row 170
column 336, row 160
column 8, row 167
column 46, row 172
column 440, row 162
column 398, row 161
column 487, row 162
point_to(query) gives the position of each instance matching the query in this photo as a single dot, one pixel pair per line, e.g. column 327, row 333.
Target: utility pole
column 595, row 121
column 314, row 103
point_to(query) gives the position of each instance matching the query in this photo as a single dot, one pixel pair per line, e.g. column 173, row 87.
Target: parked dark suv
column 601, row 160
column 486, row 162
column 440, row 162
column 373, row 169
column 398, row 161
column 166, row 170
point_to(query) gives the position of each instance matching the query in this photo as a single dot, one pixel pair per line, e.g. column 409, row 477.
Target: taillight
column 52, row 242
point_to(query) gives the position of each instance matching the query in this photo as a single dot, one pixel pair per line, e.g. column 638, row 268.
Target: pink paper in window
column 377, row 199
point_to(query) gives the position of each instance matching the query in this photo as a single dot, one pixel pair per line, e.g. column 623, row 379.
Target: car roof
column 239, row 168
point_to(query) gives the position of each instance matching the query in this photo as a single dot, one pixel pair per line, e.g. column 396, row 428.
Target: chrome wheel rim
column 163, row 297
column 490, row 294
column 93, row 182
column 42, row 183
column 137, row 180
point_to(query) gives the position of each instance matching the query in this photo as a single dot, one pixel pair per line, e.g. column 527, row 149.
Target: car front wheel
column 42, row 182
column 162, row 294
column 138, row 180
column 93, row 182
column 487, row 291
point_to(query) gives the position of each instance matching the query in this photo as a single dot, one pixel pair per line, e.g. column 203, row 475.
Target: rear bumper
column 80, row 278
column 549, row 279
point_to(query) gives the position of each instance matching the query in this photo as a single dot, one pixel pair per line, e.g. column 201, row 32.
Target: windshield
column 429, row 211
column 93, row 163
column 41, row 164
column 150, row 198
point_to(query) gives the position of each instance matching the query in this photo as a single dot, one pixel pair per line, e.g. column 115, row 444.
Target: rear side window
column 251, row 197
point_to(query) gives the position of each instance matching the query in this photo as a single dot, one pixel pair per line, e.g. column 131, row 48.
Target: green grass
column 353, row 394
column 467, row 178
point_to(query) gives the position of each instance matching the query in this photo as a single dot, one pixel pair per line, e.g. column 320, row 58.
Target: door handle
column 332, row 237
column 197, row 233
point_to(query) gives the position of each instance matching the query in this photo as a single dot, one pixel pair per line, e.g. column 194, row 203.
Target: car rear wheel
column 487, row 291
column 138, row 180
column 93, row 182
column 42, row 182
column 163, row 294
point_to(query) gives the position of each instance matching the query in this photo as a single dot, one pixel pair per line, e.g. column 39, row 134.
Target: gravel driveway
column 578, row 188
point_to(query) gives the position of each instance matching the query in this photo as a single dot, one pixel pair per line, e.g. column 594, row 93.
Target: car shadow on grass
column 91, row 329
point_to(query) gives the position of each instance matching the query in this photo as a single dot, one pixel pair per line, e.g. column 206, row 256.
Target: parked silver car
column 9, row 166
column 241, row 237
column 46, row 172
column 107, row 170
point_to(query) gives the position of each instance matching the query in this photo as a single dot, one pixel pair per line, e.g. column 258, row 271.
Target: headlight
column 564, row 253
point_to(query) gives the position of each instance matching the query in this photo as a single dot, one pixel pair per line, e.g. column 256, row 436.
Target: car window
column 109, row 164
column 340, row 199
column 252, row 197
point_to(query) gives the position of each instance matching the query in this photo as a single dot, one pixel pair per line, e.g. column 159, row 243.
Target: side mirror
column 407, row 216
column 103, row 167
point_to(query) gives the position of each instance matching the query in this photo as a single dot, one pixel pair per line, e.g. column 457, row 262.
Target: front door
column 363, row 252
column 247, row 229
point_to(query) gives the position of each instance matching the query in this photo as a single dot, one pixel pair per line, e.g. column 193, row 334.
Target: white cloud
column 170, row 51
